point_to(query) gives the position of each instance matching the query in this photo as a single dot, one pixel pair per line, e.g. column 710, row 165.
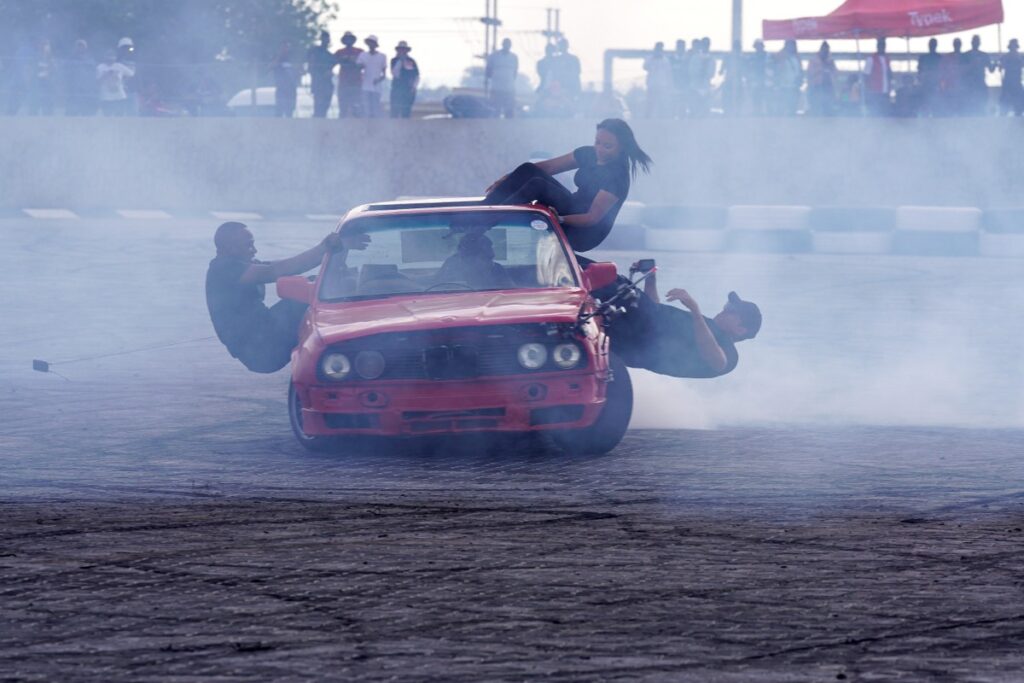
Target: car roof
column 422, row 205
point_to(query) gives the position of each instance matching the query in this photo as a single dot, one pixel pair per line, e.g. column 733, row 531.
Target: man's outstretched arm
column 707, row 346
column 265, row 273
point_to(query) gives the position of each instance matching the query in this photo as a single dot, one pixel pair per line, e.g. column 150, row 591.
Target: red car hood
column 338, row 322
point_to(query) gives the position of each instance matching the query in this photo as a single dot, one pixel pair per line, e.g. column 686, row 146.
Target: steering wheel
column 457, row 284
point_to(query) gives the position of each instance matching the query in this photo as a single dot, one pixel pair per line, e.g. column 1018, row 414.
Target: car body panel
column 525, row 401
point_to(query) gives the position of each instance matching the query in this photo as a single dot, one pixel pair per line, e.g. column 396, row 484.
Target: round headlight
column 566, row 356
column 370, row 364
column 532, row 356
column 336, row 366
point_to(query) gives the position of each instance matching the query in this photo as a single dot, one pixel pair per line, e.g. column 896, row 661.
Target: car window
column 467, row 251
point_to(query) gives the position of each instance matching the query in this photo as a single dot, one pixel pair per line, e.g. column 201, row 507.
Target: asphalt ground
column 847, row 505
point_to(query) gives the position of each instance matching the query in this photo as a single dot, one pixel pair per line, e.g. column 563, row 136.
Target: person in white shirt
column 659, row 83
column 111, row 75
column 501, row 74
column 375, row 65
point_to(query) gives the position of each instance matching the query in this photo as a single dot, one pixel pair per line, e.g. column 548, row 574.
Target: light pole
column 737, row 22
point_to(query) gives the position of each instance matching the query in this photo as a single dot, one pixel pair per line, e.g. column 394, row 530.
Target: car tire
column 611, row 425
column 317, row 444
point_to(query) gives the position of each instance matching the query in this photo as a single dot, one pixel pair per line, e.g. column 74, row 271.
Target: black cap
column 749, row 313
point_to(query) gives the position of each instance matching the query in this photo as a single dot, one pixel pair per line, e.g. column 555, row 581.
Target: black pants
column 270, row 348
column 529, row 183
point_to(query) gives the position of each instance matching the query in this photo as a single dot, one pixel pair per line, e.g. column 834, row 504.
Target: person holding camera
column 261, row 338
column 676, row 342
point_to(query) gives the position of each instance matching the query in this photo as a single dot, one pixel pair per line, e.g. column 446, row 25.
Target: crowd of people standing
column 361, row 77
column 687, row 82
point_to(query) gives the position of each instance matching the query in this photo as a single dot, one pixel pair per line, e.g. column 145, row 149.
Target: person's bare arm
column 602, row 204
column 265, row 273
column 707, row 346
column 651, row 287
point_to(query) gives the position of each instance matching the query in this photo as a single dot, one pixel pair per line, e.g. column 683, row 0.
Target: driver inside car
column 473, row 264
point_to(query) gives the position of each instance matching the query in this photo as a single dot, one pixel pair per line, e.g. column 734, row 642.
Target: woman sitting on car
column 602, row 184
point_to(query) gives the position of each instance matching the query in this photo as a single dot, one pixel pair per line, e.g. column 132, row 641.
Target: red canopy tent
column 889, row 18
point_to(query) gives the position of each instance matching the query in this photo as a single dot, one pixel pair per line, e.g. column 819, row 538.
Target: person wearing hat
column 681, row 343
column 1011, row 97
column 350, row 78
column 405, row 78
column 374, row 65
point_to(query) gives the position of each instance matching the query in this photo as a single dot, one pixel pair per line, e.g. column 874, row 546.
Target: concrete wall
column 328, row 166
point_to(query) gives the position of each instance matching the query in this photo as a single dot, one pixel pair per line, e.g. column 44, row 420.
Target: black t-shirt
column 236, row 310
column 590, row 179
column 661, row 339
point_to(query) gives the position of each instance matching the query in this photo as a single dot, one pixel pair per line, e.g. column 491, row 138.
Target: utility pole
column 737, row 22
column 491, row 23
column 553, row 32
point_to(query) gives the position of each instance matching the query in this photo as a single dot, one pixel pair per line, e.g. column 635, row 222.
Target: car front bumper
column 521, row 403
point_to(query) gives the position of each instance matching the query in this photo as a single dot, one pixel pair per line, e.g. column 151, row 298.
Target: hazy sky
column 446, row 34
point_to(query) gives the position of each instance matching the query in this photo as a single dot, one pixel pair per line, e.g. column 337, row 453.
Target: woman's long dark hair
column 636, row 157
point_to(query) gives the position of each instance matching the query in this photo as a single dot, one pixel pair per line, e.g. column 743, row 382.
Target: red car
column 457, row 317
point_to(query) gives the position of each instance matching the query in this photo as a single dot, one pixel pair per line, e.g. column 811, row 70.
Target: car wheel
column 611, row 425
column 312, row 443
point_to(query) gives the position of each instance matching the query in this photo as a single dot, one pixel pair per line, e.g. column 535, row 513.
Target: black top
column 661, row 339
column 590, row 179
column 237, row 310
column 1012, row 63
column 407, row 75
column 321, row 64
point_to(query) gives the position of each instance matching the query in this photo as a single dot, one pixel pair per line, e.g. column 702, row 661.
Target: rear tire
column 317, row 444
column 611, row 425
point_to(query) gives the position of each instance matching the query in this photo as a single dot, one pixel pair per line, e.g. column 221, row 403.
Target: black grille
column 454, row 353
column 351, row 420
column 555, row 415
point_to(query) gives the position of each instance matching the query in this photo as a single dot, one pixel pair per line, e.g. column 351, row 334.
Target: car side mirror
column 295, row 288
column 599, row 275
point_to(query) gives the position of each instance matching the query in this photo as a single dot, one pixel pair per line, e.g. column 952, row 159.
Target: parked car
column 457, row 317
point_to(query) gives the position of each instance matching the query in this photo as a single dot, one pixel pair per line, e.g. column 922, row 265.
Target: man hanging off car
column 261, row 337
column 676, row 342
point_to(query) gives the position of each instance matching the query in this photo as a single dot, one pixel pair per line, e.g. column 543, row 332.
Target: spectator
column 567, row 68
column 755, row 78
column 501, row 73
column 976, row 64
column 286, row 82
column 374, row 66
column 43, row 83
column 659, row 83
column 17, row 76
column 787, row 78
column 700, row 68
column 544, row 65
column 732, row 81
column 878, row 81
column 821, row 75
column 952, row 80
column 80, row 82
column 1011, row 98
column 553, row 98
column 405, row 78
column 929, row 79
column 111, row 75
column 680, row 79
column 350, row 78
column 320, row 64
column 126, row 56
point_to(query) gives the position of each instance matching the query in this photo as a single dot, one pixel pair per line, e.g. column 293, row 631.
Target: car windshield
column 453, row 252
